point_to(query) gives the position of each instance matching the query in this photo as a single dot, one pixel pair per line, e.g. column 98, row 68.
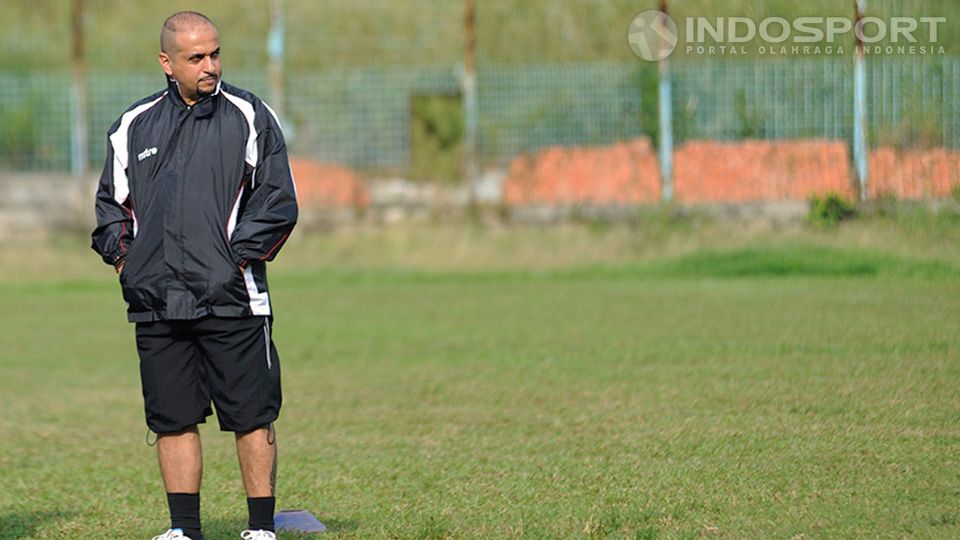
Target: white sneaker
column 258, row 534
column 172, row 534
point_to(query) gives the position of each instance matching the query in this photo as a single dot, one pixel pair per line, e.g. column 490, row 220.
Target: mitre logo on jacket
column 147, row 152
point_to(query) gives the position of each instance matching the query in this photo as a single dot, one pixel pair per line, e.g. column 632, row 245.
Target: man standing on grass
column 195, row 198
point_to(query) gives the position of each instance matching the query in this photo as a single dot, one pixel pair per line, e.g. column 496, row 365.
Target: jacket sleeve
column 113, row 235
column 270, row 213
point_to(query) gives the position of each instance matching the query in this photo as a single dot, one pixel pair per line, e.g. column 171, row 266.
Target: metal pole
column 275, row 50
column 665, row 107
column 470, row 108
column 860, row 156
column 78, row 120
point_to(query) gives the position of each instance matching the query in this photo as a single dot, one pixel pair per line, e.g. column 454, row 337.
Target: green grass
column 755, row 389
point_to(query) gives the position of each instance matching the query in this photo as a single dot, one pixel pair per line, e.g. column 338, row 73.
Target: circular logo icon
column 653, row 35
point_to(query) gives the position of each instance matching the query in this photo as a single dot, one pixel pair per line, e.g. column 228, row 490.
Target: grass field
column 690, row 380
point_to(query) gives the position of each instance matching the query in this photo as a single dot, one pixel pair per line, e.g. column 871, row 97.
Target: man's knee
column 260, row 432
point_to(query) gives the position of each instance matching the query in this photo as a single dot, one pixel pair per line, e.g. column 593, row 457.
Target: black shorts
column 185, row 364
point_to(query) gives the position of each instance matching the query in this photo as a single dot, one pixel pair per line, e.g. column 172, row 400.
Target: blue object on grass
column 297, row 521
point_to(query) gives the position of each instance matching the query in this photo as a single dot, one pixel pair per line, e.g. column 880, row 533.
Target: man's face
column 194, row 61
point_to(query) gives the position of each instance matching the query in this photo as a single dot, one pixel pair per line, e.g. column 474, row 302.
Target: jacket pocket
column 225, row 280
column 143, row 275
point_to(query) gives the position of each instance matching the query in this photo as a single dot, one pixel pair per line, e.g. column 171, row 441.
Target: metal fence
column 527, row 107
column 361, row 117
column 355, row 109
column 910, row 102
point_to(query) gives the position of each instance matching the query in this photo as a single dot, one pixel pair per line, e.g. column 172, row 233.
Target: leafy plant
column 830, row 210
column 437, row 132
column 18, row 136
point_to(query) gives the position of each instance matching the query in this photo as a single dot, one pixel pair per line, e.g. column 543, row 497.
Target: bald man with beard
column 196, row 197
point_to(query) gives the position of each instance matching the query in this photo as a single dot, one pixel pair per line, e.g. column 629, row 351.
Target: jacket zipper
column 172, row 142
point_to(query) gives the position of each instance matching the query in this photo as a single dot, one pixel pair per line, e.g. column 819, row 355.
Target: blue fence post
column 665, row 108
column 860, row 157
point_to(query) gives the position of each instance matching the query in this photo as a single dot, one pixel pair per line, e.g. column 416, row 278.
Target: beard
column 213, row 81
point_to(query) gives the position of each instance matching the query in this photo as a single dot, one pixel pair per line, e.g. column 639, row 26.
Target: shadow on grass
column 18, row 525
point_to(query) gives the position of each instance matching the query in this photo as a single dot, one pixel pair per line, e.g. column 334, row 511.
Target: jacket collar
column 202, row 108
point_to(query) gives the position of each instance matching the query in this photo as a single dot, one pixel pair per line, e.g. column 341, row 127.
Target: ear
column 165, row 63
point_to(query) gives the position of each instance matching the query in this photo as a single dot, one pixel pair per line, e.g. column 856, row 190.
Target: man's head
column 190, row 54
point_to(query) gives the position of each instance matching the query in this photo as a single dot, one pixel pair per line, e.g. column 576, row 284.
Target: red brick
column 624, row 173
column 760, row 170
column 324, row 185
column 913, row 174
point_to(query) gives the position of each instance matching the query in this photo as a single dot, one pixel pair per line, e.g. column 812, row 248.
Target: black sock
column 185, row 513
column 261, row 512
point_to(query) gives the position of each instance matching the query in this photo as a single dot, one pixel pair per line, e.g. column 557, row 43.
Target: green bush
column 830, row 210
column 18, row 136
column 436, row 137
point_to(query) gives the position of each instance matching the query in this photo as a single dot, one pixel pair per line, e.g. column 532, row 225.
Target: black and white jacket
column 195, row 200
